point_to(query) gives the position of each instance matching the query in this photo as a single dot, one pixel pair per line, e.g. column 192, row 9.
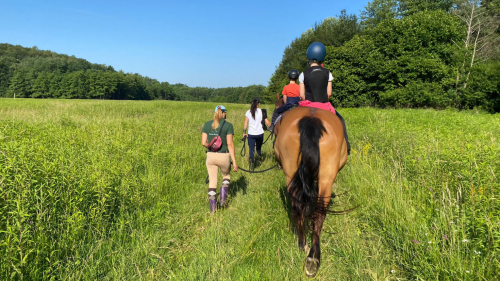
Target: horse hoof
column 311, row 266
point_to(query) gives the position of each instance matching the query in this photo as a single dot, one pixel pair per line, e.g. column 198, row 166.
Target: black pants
column 277, row 113
column 280, row 110
column 345, row 132
column 255, row 140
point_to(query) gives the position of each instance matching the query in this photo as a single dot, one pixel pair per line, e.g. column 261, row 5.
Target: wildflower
column 467, row 271
column 465, row 241
column 418, row 158
column 426, row 234
column 415, row 241
column 477, row 252
column 430, row 242
column 445, row 237
column 393, row 271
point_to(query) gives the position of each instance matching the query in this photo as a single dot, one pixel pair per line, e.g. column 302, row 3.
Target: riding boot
column 250, row 164
column 345, row 133
column 212, row 198
column 271, row 128
column 223, row 192
column 275, row 116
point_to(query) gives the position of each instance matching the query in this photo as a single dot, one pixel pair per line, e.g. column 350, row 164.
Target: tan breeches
column 214, row 162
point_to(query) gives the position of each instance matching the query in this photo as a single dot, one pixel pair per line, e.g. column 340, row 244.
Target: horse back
column 333, row 147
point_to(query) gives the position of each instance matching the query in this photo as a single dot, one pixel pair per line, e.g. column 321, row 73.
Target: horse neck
column 280, row 102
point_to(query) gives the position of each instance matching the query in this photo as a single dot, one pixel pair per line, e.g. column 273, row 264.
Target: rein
column 257, row 172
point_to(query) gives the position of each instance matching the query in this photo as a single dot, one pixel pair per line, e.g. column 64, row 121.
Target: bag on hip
column 216, row 143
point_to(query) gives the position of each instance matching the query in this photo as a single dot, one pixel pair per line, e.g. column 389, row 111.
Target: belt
column 217, row 151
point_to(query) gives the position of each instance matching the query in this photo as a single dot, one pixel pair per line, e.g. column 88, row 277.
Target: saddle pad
column 326, row 106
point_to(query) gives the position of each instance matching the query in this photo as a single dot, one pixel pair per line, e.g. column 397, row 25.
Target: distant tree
column 379, row 10
column 410, row 7
column 405, row 62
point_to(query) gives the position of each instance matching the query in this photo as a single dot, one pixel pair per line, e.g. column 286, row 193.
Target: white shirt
column 255, row 125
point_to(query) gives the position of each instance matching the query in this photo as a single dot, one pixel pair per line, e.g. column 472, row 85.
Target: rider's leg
column 277, row 112
column 345, row 132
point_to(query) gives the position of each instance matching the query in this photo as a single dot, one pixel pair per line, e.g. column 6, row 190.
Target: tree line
column 34, row 73
column 410, row 53
column 434, row 53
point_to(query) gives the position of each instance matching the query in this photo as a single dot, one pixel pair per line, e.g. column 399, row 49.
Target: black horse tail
column 303, row 188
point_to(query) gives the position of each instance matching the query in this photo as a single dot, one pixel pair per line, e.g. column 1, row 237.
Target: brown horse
column 311, row 148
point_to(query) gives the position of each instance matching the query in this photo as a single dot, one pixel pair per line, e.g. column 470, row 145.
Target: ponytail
column 217, row 117
column 253, row 108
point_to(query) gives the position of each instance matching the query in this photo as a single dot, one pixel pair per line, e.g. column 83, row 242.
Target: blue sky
column 198, row 43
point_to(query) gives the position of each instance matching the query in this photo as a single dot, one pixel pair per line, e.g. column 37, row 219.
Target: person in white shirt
column 253, row 121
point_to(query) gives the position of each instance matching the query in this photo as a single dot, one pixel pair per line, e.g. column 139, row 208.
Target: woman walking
column 253, row 121
column 217, row 137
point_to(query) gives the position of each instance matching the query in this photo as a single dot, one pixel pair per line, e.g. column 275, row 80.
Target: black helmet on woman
column 293, row 74
column 316, row 52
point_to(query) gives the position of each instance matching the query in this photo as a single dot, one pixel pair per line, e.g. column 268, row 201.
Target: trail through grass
column 115, row 190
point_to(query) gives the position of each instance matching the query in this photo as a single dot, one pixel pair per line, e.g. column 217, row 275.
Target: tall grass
column 115, row 190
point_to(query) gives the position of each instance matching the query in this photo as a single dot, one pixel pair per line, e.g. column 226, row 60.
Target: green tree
column 378, row 11
column 331, row 32
column 401, row 62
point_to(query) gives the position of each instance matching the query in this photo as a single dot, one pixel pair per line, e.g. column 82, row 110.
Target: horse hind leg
column 299, row 221
column 313, row 260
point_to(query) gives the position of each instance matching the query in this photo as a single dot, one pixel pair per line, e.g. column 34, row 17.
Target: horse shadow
column 287, row 204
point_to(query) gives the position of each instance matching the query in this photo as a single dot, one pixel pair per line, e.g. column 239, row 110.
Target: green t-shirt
column 227, row 130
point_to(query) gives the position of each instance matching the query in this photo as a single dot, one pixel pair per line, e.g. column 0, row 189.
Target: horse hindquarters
column 303, row 189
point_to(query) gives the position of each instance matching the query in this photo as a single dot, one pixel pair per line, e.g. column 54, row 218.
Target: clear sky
column 198, row 43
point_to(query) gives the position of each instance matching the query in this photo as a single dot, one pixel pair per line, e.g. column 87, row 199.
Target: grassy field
column 115, row 190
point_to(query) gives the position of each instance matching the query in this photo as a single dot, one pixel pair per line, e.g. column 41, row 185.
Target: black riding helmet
column 293, row 74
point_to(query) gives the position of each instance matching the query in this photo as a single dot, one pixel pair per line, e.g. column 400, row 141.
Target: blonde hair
column 217, row 117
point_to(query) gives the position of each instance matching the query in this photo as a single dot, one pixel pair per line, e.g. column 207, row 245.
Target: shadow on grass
column 287, row 204
column 240, row 185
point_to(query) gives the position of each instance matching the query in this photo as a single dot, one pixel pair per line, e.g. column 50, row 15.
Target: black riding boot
column 345, row 133
column 273, row 119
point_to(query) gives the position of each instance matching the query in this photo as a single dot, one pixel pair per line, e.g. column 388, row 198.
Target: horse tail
column 303, row 187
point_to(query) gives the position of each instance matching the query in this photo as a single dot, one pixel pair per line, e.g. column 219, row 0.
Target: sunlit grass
column 115, row 190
